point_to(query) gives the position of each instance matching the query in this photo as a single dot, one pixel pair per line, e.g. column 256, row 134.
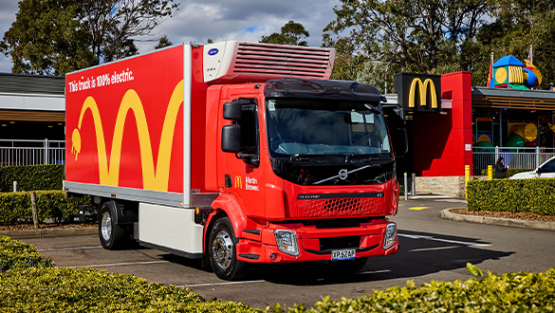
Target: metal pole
column 490, row 172
column 406, row 189
column 537, row 156
column 466, row 180
column 413, row 190
column 15, row 186
column 45, row 161
column 496, row 153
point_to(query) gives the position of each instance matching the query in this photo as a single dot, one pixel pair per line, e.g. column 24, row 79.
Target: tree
column 47, row 39
column 163, row 42
column 53, row 37
column 113, row 23
column 291, row 34
column 516, row 25
column 418, row 34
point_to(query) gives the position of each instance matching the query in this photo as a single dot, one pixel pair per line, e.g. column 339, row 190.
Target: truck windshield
column 325, row 127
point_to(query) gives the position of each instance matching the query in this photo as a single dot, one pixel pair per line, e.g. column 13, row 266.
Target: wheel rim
column 222, row 249
column 106, row 226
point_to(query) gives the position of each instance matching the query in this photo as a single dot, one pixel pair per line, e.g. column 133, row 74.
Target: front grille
column 340, row 207
column 294, row 61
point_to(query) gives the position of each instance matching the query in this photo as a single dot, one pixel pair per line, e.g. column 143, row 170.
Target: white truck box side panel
column 169, row 227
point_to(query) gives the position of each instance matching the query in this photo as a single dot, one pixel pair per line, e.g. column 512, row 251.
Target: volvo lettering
column 236, row 153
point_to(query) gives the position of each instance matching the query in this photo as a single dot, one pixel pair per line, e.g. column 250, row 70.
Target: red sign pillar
column 443, row 142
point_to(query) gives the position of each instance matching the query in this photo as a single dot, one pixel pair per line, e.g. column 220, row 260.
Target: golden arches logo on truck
column 155, row 177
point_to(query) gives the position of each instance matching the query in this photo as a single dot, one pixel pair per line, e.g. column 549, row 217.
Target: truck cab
column 311, row 166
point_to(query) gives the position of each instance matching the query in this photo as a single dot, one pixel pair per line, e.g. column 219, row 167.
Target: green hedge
column 16, row 206
column 510, row 171
column 92, row 290
column 512, row 292
column 32, row 177
column 17, row 255
column 512, row 195
column 24, row 288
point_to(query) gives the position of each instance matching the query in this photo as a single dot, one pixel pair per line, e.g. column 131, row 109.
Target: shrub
column 32, row 177
column 510, row 172
column 92, row 290
column 512, row 292
column 16, row 206
column 512, row 195
column 17, row 255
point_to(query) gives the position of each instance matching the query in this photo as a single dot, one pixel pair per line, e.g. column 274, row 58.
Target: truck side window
column 249, row 130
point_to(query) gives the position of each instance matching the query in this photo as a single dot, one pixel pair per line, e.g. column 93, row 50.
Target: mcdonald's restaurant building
column 32, row 107
column 449, row 121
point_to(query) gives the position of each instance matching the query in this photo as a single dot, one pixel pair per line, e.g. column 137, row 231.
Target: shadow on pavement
column 420, row 254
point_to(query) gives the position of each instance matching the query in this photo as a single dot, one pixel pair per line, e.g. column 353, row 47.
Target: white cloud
column 242, row 20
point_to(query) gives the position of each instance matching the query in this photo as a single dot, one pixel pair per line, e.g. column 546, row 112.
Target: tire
column 112, row 236
column 222, row 252
column 348, row 266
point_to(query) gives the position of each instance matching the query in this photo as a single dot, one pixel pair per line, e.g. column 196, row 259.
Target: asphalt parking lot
column 431, row 249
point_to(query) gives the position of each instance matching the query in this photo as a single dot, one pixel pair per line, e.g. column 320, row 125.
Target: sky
column 219, row 20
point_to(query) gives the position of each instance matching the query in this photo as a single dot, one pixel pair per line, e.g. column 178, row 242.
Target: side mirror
column 539, row 170
column 401, row 146
column 401, row 114
column 231, row 138
column 232, row 110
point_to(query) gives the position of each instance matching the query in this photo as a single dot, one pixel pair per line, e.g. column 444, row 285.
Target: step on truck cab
column 235, row 153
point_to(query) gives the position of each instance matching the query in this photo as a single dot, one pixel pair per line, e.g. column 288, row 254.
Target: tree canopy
column 291, row 34
column 439, row 36
column 53, row 37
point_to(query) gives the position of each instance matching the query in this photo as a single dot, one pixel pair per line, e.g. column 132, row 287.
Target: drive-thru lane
column 431, row 249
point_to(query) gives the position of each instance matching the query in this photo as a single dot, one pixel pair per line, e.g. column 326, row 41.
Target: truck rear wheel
column 112, row 236
column 222, row 252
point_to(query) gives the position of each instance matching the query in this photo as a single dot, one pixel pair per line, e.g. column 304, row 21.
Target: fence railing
column 514, row 157
column 31, row 152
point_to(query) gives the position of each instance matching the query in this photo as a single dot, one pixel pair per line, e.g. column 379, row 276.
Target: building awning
column 32, row 116
column 504, row 98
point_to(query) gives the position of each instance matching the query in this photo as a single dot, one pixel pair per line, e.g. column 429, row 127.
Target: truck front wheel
column 222, row 252
column 112, row 236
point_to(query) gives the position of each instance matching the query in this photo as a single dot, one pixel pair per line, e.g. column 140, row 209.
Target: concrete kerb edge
column 43, row 233
column 510, row 222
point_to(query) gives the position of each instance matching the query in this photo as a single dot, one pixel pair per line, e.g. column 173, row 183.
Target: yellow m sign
column 422, row 88
column 238, row 182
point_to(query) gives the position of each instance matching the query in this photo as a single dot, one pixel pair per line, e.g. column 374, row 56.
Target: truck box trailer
column 235, row 153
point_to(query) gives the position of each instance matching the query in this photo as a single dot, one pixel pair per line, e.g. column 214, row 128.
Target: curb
column 510, row 222
column 44, row 233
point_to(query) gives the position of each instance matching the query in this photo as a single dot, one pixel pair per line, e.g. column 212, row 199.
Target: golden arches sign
column 423, row 88
column 154, row 177
column 238, row 182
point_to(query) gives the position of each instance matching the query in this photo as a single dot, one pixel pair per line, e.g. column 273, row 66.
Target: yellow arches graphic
column 423, row 88
column 154, row 178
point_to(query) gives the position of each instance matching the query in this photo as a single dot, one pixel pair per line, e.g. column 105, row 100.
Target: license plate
column 348, row 254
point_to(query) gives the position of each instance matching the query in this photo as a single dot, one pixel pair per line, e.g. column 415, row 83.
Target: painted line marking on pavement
column 433, row 249
column 444, row 240
column 121, row 264
column 419, row 208
column 452, row 200
column 261, row 281
column 223, row 284
column 75, row 248
column 428, row 197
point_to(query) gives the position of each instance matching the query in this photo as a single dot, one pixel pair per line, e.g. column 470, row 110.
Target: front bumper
column 313, row 243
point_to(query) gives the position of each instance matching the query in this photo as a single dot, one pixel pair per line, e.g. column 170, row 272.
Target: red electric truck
column 236, row 153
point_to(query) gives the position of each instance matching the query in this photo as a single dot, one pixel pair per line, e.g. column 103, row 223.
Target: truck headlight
column 390, row 236
column 287, row 241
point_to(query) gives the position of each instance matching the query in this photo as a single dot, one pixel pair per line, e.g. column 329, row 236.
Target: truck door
column 243, row 168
